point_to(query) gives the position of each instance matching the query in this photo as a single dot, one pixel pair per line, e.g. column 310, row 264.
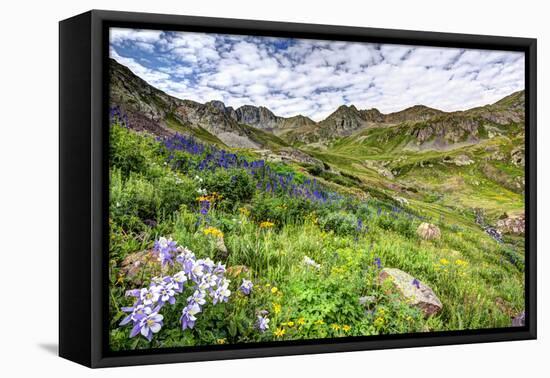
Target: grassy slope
column 482, row 293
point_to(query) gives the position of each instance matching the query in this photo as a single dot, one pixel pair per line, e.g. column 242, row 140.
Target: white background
column 29, row 186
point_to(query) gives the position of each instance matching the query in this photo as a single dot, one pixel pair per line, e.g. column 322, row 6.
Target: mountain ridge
column 149, row 108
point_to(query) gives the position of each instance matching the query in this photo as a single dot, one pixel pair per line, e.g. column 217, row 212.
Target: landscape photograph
column 266, row 189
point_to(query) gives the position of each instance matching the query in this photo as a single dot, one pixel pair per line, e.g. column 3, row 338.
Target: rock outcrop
column 414, row 292
column 512, row 225
column 428, row 231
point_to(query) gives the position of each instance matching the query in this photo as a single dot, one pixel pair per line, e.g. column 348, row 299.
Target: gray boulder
column 413, row 291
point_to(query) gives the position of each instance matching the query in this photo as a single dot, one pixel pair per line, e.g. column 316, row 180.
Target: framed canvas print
column 234, row 188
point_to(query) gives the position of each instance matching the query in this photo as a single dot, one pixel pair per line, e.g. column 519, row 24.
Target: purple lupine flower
column 246, row 287
column 188, row 316
column 378, row 262
column 205, row 207
column 262, row 324
column 416, row 283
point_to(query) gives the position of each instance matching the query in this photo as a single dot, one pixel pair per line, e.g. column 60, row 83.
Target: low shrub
column 234, row 186
column 340, row 222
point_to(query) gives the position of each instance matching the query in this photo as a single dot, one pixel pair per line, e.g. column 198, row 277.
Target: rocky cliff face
column 257, row 116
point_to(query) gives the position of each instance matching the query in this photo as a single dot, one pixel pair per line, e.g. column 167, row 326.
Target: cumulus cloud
column 312, row 77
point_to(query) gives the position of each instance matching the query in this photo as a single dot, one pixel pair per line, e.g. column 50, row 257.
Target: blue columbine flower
column 188, row 317
column 246, row 287
column 150, row 324
column 262, row 324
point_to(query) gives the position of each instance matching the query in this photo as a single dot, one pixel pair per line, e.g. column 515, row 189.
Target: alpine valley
column 433, row 200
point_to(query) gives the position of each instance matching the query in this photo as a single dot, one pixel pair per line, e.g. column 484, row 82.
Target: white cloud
column 313, row 77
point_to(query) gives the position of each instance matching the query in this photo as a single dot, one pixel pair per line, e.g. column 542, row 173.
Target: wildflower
column 179, row 280
column 460, row 262
column 221, row 341
column 246, row 287
column 444, row 261
column 222, row 293
column 205, row 207
column 378, row 262
column 164, row 249
column 167, row 294
column 416, row 283
column 276, row 308
column 310, row 262
column 213, row 231
column 301, row 321
column 188, row 316
column 197, row 297
column 346, row 328
column 202, row 191
column 274, row 290
column 335, row 326
column 290, row 324
column 150, row 324
column 379, row 322
column 279, row 332
column 136, row 314
column 150, row 296
column 197, row 270
column 266, row 224
column 262, row 323
column 320, row 322
column 206, row 277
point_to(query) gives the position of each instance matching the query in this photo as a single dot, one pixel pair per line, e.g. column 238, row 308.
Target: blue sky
column 313, row 77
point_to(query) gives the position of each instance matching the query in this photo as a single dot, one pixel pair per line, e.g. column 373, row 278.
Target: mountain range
column 249, row 126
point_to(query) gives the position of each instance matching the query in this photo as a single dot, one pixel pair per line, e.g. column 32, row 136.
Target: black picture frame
column 83, row 193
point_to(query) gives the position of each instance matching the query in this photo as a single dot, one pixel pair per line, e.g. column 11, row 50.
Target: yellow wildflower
column 335, row 326
column 444, row 261
column 290, row 324
column 213, row 231
column 276, row 308
column 460, row 262
column 266, row 224
column 379, row 322
column 244, row 211
column 346, row 328
column 301, row 321
column 279, row 332
column 274, row 290
column 221, row 341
